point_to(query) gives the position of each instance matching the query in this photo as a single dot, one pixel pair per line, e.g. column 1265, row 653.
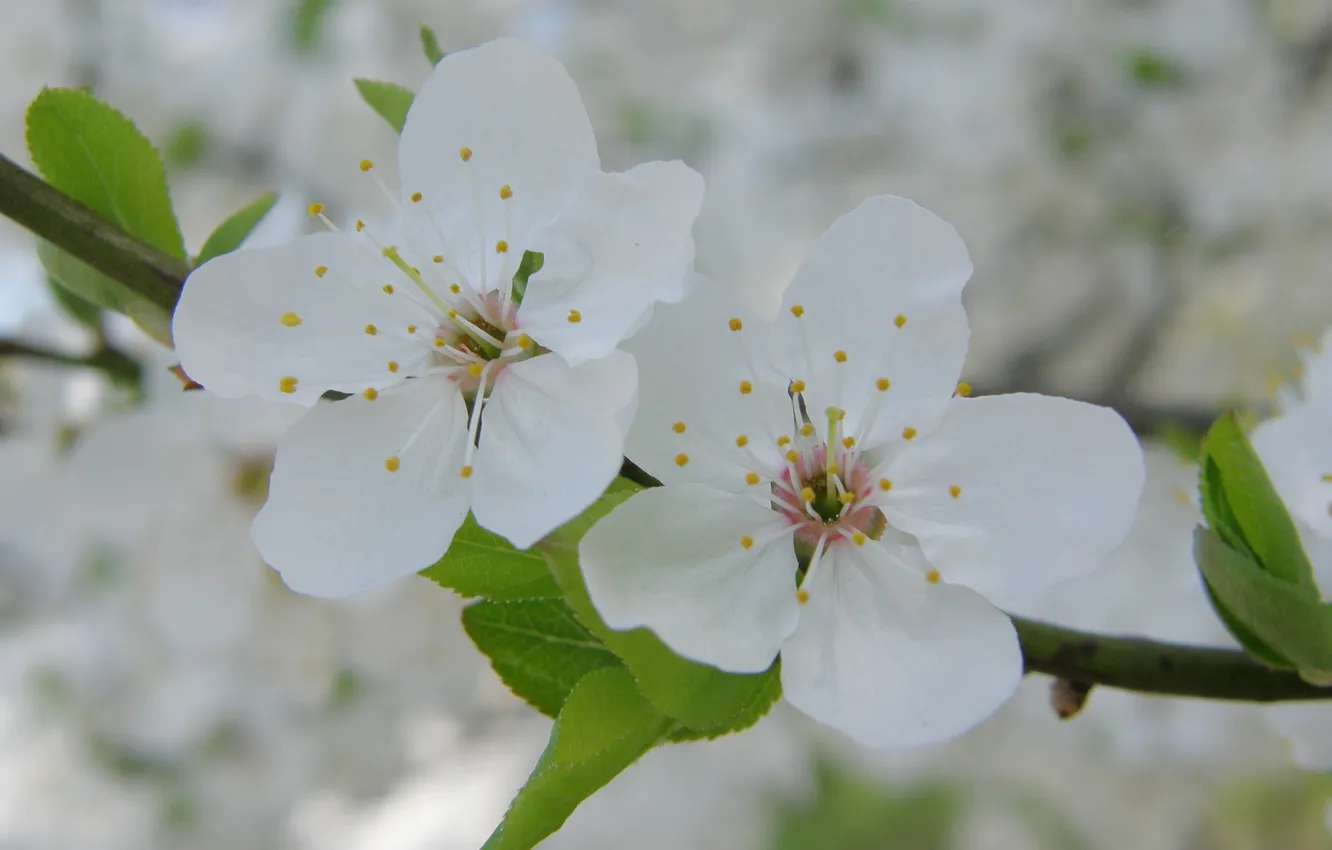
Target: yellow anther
column 411, row 329
column 438, row 258
column 954, row 491
column 797, row 386
column 360, row 225
column 314, row 209
column 783, row 440
column 833, row 469
column 465, row 472
column 452, row 314
column 797, row 310
column 1327, row 477
column 802, row 596
column 883, row 384
column 287, row 384
column 932, row 576
column 793, row 456
column 752, row 478
column 859, row 538
column 846, row 497
column 440, row 342
column 885, row 485
column 806, row 429
column 900, row 320
column 370, row 393
column 465, row 153
column 741, row 441
column 839, row 355
column 735, row 324
column 506, row 192
column 320, row 271
column 291, row 320
column 524, row 341
column 366, row 165
column 908, row 433
column 678, row 427
column 681, row 459
column 746, row 388
column 388, row 289
column 393, row 365
column 848, row 442
column 807, row 494
column 575, row 317
column 371, row 330
column 416, row 197
column 454, row 288
column 963, row 388
column 392, row 464
column 746, row 542
column 475, row 369
column 501, row 247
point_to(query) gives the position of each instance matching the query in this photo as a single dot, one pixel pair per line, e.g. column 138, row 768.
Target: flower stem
column 69, row 225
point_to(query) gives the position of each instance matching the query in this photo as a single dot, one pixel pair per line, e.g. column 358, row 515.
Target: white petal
column 519, row 116
column 1307, row 728
column 1047, row 488
column 1296, row 450
column 886, row 262
column 671, row 559
column 892, row 660
column 552, row 439
column 338, row 521
column 691, row 366
column 624, row 242
column 231, row 337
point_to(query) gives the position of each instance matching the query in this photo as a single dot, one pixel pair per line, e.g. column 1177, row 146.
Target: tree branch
column 72, row 227
column 115, row 364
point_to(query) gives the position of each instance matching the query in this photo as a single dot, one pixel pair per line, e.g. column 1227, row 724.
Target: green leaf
column 390, row 100
column 97, row 156
column 604, row 727
column 706, row 700
column 75, row 306
column 480, row 563
column 1286, row 620
column 530, row 265
column 229, row 235
column 430, row 45
column 537, row 646
column 91, row 285
column 1244, row 508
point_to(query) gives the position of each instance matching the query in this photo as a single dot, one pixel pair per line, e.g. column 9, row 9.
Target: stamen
column 505, row 192
column 291, row 320
column 814, row 563
column 678, row 427
column 370, row 393
column 797, row 386
column 746, row 542
column 287, row 384
column 908, row 433
column 963, row 389
column 900, row 320
column 320, row 271
column 954, row 491
column 932, row 576
column 735, row 324
column 392, row 464
column 681, row 459
column 741, row 441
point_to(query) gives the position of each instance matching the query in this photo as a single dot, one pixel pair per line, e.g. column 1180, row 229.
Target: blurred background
column 1146, row 190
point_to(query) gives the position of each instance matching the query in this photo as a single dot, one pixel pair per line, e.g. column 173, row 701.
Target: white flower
column 873, row 575
column 497, row 159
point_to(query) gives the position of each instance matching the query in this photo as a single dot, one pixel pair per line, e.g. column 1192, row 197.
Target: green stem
column 69, row 225
column 1128, row 663
column 115, row 364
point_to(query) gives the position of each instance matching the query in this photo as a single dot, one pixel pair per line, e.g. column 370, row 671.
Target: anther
column 388, row 289
column 575, row 317
column 847, row 497
column 370, row 393
column 900, row 320
column 411, row 329
column 314, row 209
column 746, row 388
column 1327, row 477
column 465, row 153
column 848, row 442
column 908, row 433
column 474, row 369
column 416, row 197
column 932, row 576
column 797, row 386
column 366, row 165
column 505, row 192
column 751, row 478
column 681, row 459
column 793, row 456
column 963, row 388
column 883, row 384
column 735, row 324
column 833, row 468
column 465, row 472
column 501, row 247
column 802, row 596
column 954, row 490
column 524, row 341
column 806, row 429
column 360, row 225
column 797, row 310
column 287, row 384
column 741, row 441
column 320, row 271
column 807, row 494
column 440, row 342
column 453, row 315
column 859, row 538
column 839, row 355
column 746, row 542
column 885, row 485
column 392, row 464
column 393, row 365
column 371, row 330
column 783, row 440
column 678, row 427
column 291, row 320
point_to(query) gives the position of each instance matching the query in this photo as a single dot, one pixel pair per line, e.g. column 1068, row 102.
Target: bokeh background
column 1146, row 190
